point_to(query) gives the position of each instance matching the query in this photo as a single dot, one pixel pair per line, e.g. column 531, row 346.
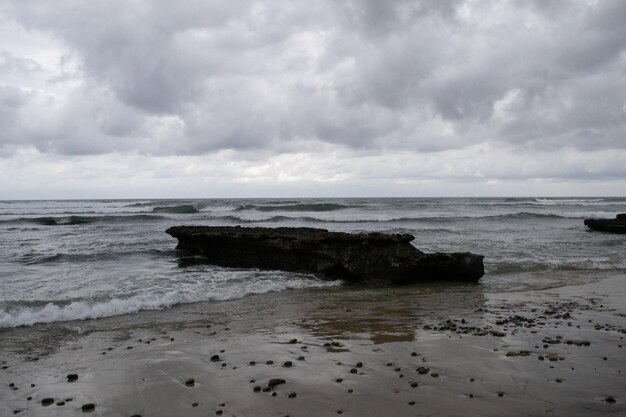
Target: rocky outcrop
column 369, row 258
column 616, row 225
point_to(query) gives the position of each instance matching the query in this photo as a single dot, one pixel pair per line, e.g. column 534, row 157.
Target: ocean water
column 69, row 260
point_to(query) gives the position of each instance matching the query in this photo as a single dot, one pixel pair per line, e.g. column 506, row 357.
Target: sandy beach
column 446, row 350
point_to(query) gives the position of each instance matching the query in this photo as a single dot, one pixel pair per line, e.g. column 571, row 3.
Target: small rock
column 609, row 399
column 47, row 401
column 194, row 404
column 275, row 381
column 270, row 362
column 61, row 403
column 215, row 358
column 353, row 371
column 88, row 407
column 72, row 377
column 292, row 395
column 288, row 364
column 293, row 341
column 359, row 364
column 267, row 389
column 422, row 370
column 190, row 382
column 414, row 384
column 256, row 388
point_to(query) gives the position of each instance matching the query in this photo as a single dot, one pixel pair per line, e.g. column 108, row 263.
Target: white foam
column 81, row 310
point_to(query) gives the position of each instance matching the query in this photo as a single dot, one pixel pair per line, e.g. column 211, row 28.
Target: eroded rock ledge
column 368, row 258
column 616, row 225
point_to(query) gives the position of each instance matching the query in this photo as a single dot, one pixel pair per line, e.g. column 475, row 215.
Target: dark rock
column 61, row 403
column 72, row 377
column 190, row 382
column 288, row 364
column 353, row 371
column 88, row 407
column 256, row 388
column 292, row 395
column 617, row 225
column 47, row 401
column 275, row 381
column 422, row 370
column 609, row 399
column 215, row 358
column 370, row 258
column 293, row 341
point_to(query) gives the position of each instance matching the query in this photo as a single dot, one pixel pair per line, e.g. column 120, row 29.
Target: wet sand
column 445, row 350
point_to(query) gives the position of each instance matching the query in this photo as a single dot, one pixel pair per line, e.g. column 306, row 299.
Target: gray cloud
column 203, row 76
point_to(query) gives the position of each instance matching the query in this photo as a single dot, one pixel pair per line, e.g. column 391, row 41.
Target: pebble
column 61, row 403
column 359, row 364
column 194, row 404
column 422, row 370
column 292, row 395
column 215, row 358
column 88, row 407
column 293, row 341
column 72, row 377
column 414, row 384
column 275, row 381
column 256, row 388
column 190, row 382
column 288, row 364
column 47, row 401
column 609, row 399
column 353, row 371
column 270, row 362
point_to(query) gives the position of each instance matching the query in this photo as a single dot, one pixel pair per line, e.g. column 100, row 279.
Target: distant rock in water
column 368, row 258
column 616, row 225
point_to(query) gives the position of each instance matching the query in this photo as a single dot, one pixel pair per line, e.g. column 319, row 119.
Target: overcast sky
column 132, row 98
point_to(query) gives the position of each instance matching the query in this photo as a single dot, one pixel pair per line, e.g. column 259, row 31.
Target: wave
column 297, row 207
column 572, row 201
column 34, row 312
column 35, row 258
column 181, row 209
column 76, row 220
column 527, row 266
column 424, row 219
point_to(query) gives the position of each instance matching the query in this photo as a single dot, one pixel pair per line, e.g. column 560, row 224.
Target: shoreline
column 538, row 352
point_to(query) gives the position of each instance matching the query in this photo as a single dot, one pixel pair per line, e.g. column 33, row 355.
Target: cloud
column 360, row 77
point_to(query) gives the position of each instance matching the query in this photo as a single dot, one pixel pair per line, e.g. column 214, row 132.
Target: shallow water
column 66, row 260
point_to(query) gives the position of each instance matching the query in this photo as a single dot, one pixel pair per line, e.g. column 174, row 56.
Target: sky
column 282, row 98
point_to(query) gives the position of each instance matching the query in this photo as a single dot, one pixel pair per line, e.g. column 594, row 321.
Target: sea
column 67, row 260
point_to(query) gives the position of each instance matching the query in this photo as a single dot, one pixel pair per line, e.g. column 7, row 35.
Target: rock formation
column 616, row 225
column 368, row 258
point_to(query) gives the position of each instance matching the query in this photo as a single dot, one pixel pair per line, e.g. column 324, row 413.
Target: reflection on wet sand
column 385, row 315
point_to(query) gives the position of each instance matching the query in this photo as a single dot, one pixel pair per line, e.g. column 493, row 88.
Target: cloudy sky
column 202, row 98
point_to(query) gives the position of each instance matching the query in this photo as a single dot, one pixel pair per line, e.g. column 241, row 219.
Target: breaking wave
column 49, row 312
column 75, row 220
column 297, row 207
